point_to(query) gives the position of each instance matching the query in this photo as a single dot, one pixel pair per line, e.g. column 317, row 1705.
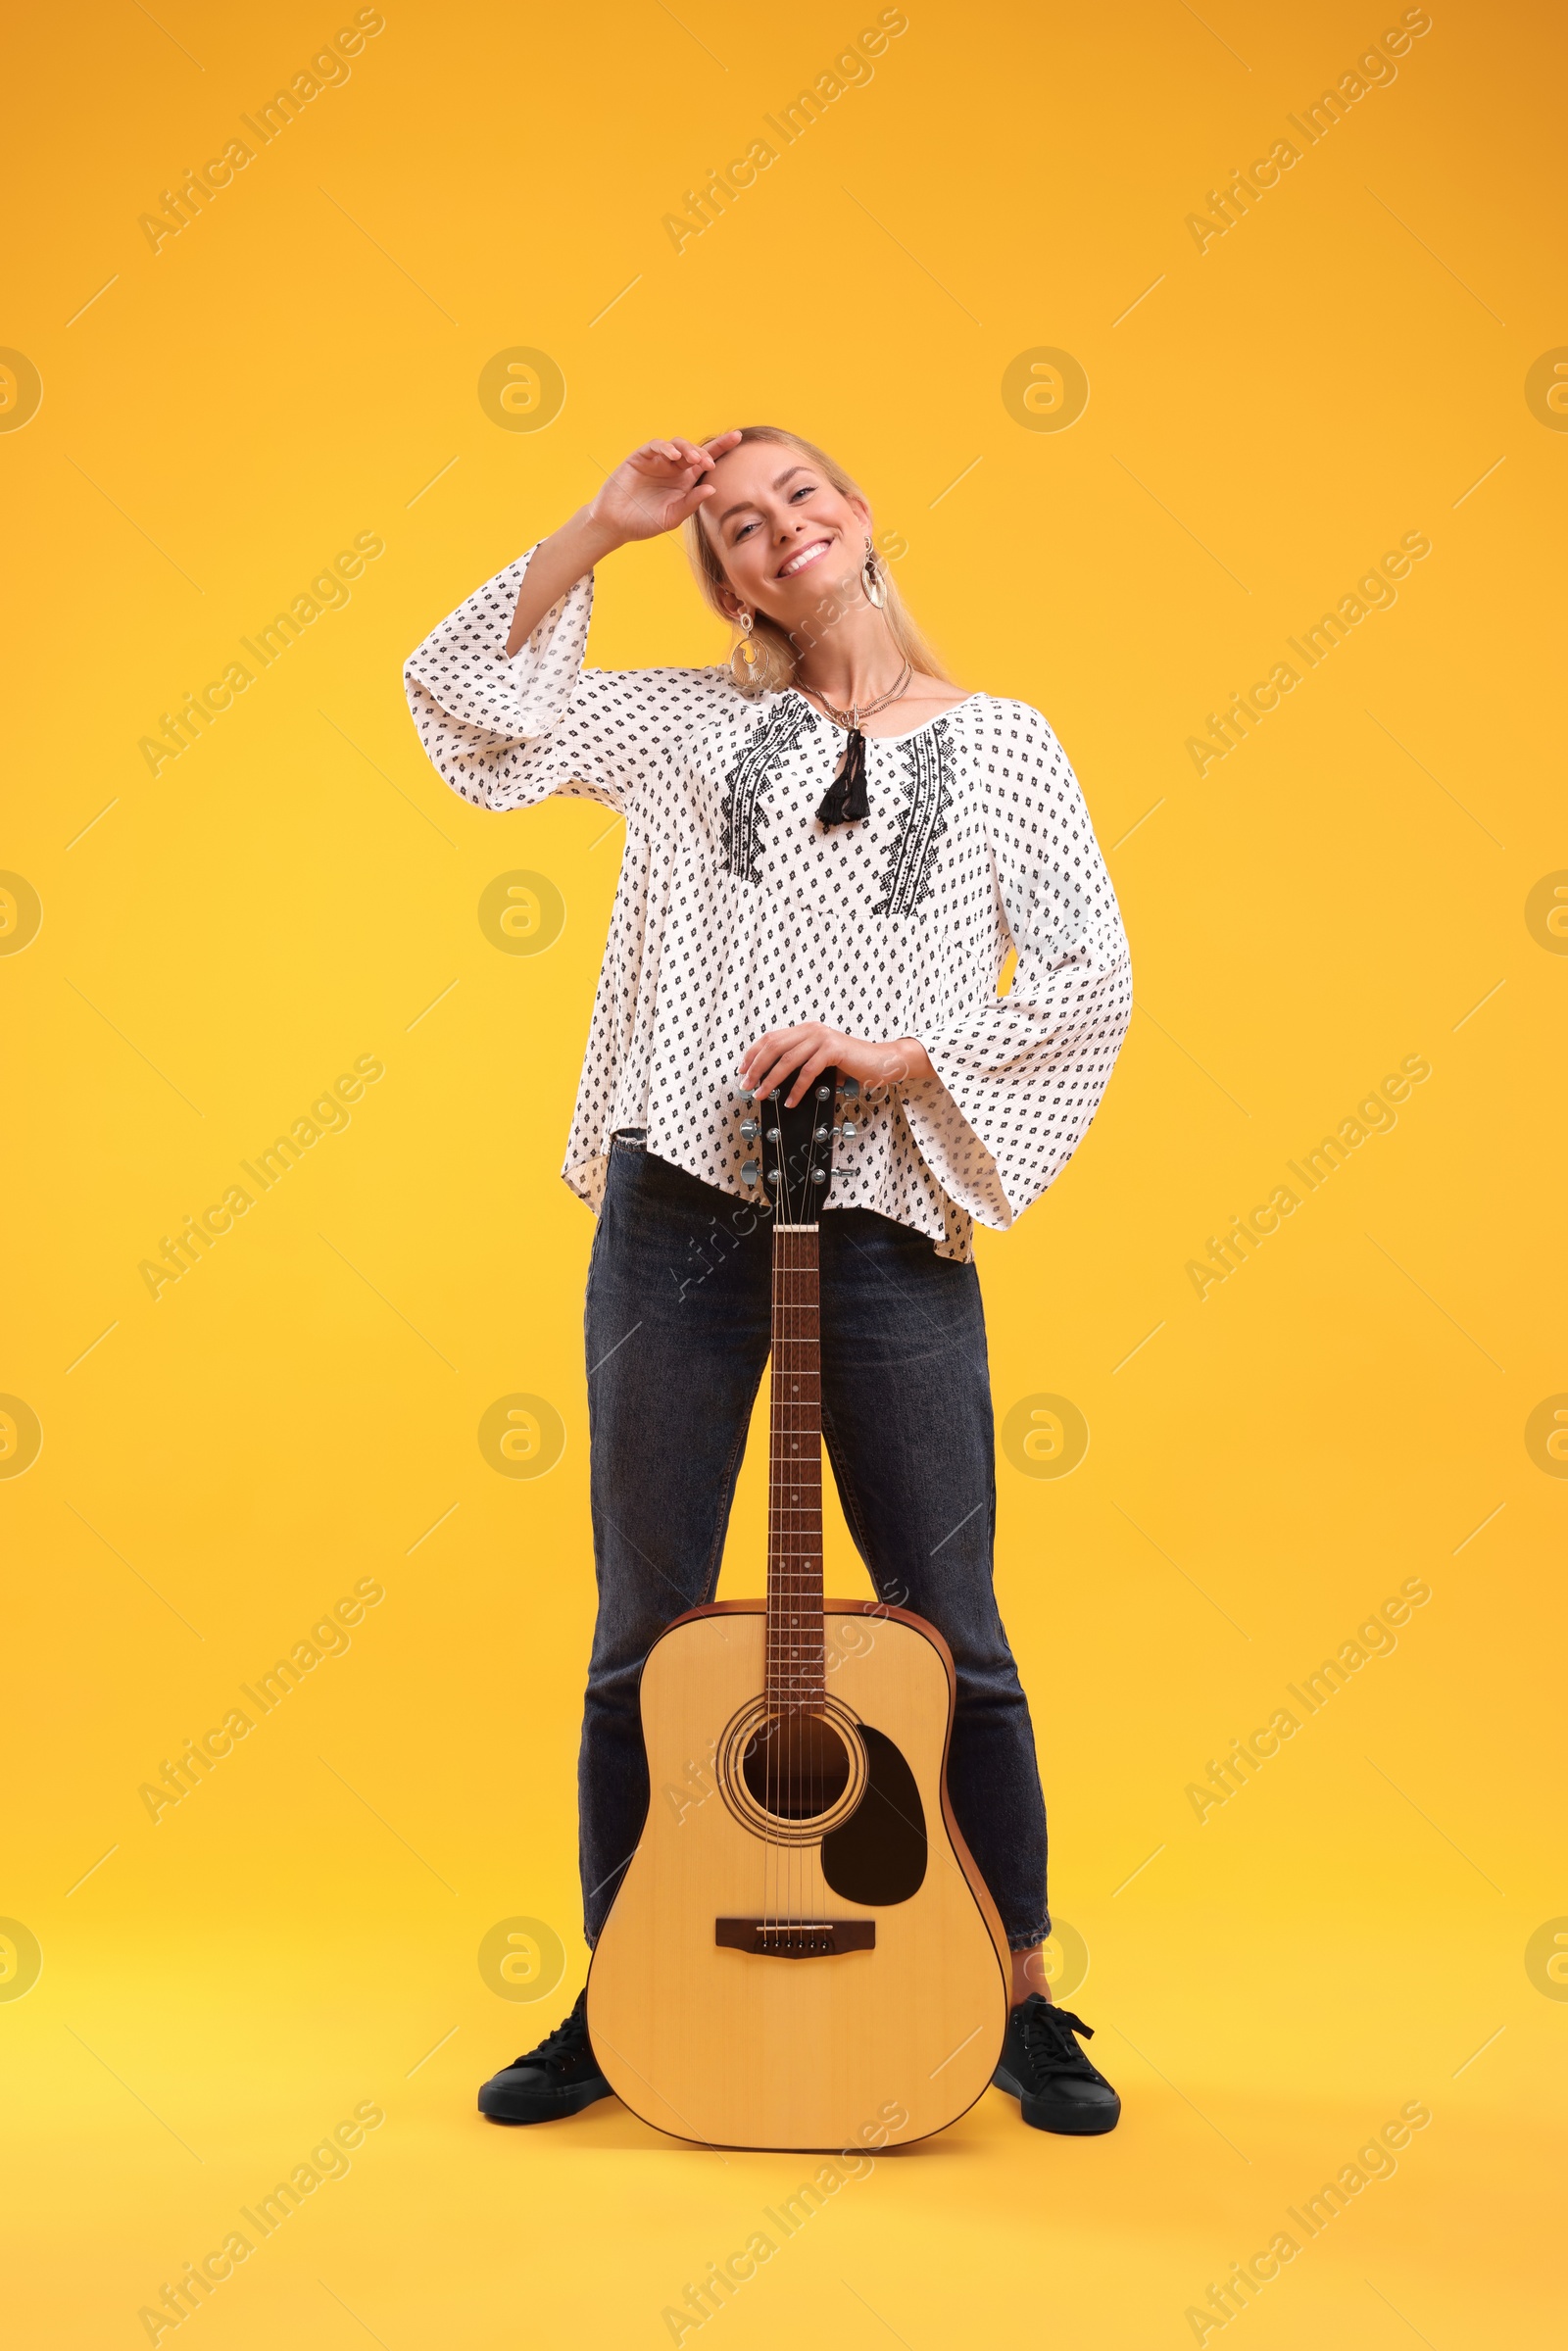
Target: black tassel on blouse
column 844, row 801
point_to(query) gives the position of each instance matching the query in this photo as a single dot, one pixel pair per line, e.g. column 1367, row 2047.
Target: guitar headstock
column 798, row 1143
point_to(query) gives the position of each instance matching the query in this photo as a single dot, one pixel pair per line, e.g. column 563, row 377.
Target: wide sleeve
column 506, row 733
column 1022, row 1075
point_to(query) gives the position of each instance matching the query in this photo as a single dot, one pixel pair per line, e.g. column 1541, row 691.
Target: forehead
column 756, row 467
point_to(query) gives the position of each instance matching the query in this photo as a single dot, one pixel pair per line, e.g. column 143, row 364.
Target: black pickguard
column 878, row 1856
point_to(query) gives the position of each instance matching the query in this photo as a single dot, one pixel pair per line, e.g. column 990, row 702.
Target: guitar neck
column 795, row 1633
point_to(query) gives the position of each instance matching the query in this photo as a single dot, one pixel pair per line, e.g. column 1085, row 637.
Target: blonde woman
column 830, row 851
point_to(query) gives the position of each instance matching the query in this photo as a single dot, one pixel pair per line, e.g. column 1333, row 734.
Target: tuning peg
column 749, row 1172
column 849, row 1132
column 852, row 1087
column 819, row 1175
column 749, row 1130
column 819, row 1135
column 747, row 1096
column 774, row 1134
column 822, row 1093
column 772, row 1175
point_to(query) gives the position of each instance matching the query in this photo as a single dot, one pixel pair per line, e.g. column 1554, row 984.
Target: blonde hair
column 779, row 655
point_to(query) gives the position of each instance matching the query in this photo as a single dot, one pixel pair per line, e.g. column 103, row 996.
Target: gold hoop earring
column 876, row 587
column 746, row 652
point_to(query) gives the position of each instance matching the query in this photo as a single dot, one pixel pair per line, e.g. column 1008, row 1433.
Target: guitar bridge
column 800, row 1938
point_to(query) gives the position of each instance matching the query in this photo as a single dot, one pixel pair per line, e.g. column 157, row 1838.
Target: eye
column 741, row 533
column 808, row 489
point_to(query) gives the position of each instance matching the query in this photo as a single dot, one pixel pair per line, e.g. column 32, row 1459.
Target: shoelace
column 569, row 2039
column 1047, row 2038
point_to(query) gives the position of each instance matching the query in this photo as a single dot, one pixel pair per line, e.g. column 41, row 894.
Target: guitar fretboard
column 795, row 1643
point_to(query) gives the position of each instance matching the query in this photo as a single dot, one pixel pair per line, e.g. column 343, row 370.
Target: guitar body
column 757, row 2046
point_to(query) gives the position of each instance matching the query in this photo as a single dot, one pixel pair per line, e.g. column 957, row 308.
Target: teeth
column 796, row 561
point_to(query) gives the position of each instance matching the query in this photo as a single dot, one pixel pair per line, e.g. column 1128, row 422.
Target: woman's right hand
column 657, row 487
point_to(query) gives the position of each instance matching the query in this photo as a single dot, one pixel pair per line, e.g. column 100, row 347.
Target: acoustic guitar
column 802, row 1946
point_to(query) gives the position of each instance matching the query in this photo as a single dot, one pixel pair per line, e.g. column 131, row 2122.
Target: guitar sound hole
column 796, row 1766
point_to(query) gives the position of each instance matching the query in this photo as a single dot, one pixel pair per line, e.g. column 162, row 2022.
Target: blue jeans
column 676, row 1327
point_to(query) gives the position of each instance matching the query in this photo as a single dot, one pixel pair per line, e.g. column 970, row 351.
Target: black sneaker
column 1043, row 2066
column 561, row 2077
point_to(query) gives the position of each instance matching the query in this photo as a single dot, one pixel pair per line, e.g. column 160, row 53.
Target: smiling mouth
column 802, row 558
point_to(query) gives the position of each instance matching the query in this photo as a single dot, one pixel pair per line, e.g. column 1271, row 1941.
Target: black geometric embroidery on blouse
column 921, row 821
column 743, row 812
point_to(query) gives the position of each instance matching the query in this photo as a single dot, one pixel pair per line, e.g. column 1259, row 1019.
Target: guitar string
column 774, row 1730
column 796, row 1742
column 798, row 1754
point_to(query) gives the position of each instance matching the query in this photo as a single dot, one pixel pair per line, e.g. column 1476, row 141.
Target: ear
column 862, row 512
column 733, row 604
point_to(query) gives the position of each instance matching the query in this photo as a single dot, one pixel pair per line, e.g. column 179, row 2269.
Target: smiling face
column 784, row 535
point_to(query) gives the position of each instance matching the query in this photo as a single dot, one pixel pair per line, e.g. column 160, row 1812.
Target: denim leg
column 676, row 1328
column 908, row 1423
column 676, row 1334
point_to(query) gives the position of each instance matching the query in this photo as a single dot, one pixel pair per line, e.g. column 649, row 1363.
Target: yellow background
column 301, row 364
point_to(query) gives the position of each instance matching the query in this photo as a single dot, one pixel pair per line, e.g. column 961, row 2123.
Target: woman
column 830, row 849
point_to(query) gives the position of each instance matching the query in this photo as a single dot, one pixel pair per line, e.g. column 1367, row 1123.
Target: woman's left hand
column 811, row 1047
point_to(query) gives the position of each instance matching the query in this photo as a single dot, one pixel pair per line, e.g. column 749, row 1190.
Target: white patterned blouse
column 737, row 912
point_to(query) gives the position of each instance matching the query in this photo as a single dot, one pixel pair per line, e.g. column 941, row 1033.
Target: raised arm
column 650, row 492
column 497, row 692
